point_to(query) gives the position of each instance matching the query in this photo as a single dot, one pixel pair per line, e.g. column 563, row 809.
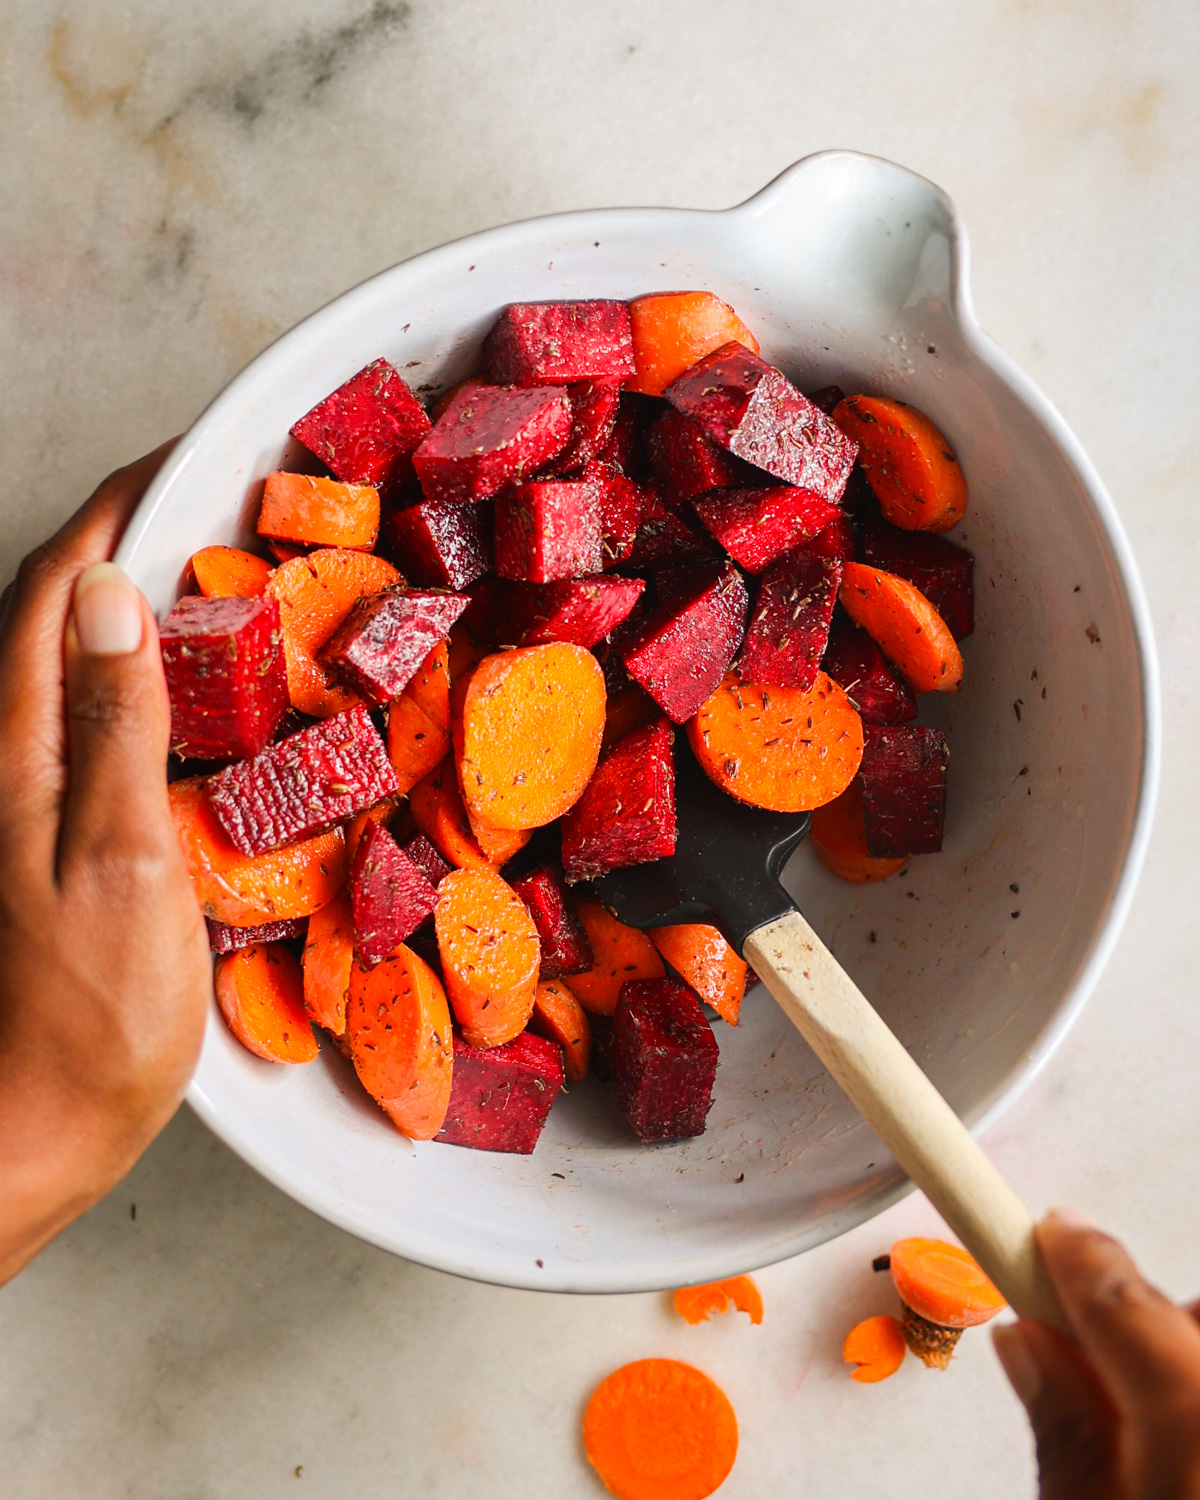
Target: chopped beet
column 620, row 503
column 685, row 463
column 835, row 544
column 365, row 432
column 665, row 537
column 557, row 343
column 548, row 529
column 601, row 1029
column 490, row 437
column 904, row 789
column 682, row 649
column 594, row 407
column 426, row 858
column 381, row 643
column 304, row 784
column 827, row 398
column 663, row 1057
column 389, row 895
column 944, row 572
column 440, row 544
column 747, row 406
column 860, row 669
column 579, row 610
column 488, row 607
column 226, row 676
column 789, row 624
column 225, row 939
column 625, row 449
column 626, row 815
column 757, row 526
column 566, row 948
column 500, row 1096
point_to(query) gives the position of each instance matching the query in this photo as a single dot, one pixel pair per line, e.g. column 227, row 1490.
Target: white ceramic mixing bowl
column 852, row 270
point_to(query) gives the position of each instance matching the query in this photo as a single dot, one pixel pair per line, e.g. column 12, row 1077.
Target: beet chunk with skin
column 379, row 646
column 861, row 670
column 827, row 398
column 566, row 948
column 904, row 789
column 626, row 815
column 440, row 544
column 685, row 463
column 683, row 648
column 548, row 529
column 745, row 405
column 620, row 504
column 943, row 571
column 490, row 437
column 366, row 431
column 426, row 858
column 226, row 676
column 579, row 610
column 757, row 526
column 836, row 544
column 789, row 624
column 222, row 938
column 594, row 407
column 625, row 450
column 663, row 1058
column 500, row 1096
column 665, row 537
column 304, row 784
column 389, row 895
column 558, row 343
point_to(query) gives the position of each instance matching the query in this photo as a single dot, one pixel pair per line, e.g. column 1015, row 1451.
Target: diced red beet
column 548, row 529
column 625, row 449
column 755, row 526
column 566, row 948
column 665, row 537
column 685, row 463
column 226, row 676
column 944, row 572
column 389, row 895
column 827, row 398
column 557, row 343
column 594, row 407
column 440, row 544
column 426, row 858
column 366, row 431
column 626, row 815
column 620, row 503
column 904, row 789
column 490, row 437
column 682, row 649
column 222, row 938
column 500, row 1096
column 304, row 784
column 487, row 610
column 747, row 406
column 663, row 1057
column 789, row 624
column 381, row 643
column 860, row 669
column 836, row 543
column 579, row 610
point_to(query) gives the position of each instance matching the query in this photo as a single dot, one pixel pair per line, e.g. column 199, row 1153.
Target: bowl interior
column 850, row 270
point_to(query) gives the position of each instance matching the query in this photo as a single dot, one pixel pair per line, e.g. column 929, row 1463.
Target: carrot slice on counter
column 230, row 573
column 328, row 959
column 672, row 330
column 490, row 955
column 907, row 461
column 438, row 811
column 904, row 625
column 703, row 959
column 838, row 835
column 943, row 1284
column 876, row 1346
column 559, row 1017
column 319, row 512
column 260, row 992
column 621, row 953
column 696, row 1304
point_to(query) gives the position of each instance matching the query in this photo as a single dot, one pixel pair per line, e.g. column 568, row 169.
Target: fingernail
column 1023, row 1371
column 1071, row 1218
column 108, row 612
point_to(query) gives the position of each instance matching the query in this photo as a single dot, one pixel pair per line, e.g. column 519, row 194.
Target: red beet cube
column 381, row 643
column 548, row 529
column 620, row 503
column 626, row 815
column 594, row 407
column 757, row 526
column 663, row 1058
column 747, row 406
column 836, row 544
column 566, row 948
column 304, row 784
column 365, row 432
column 789, row 624
column 665, row 537
column 682, row 649
column 426, row 858
column 500, row 1096
column 944, row 573
column 556, row 343
column 389, row 895
column 860, row 668
column 904, row 789
column 684, row 462
column 579, row 610
column 490, row 437
column 225, row 939
column 440, row 544
column 625, row 449
column 226, row 676
column 827, row 398
column 487, row 612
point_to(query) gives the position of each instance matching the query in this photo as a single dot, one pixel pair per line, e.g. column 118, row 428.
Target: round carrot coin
column 490, row 954
column 943, row 1283
column 672, row 330
column 260, row 991
column 904, row 625
column 907, row 461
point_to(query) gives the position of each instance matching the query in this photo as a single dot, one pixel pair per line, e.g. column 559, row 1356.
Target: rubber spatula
column 726, row 870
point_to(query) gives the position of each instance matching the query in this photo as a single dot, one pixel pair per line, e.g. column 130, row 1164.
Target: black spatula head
column 726, row 865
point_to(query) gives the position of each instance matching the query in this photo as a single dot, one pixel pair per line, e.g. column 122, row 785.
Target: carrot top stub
column 943, row 1284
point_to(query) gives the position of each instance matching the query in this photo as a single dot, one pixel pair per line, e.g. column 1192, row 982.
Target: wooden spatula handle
column 907, row 1113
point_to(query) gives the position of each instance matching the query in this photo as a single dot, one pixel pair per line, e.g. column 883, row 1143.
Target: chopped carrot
column 787, row 749
column 904, row 625
column 658, row 1429
column 228, row 572
column 876, row 1346
column 430, row 688
column 703, row 959
column 632, row 708
column 696, row 1304
column 490, row 955
column 672, row 330
column 401, row 1042
column 444, row 400
column 907, row 461
column 558, row 1016
column 357, row 825
column 416, row 745
column 285, row 552
column 319, row 512
column 943, row 1284
column 283, row 883
column 260, row 991
column 839, row 838
column 316, row 592
column 621, row 953
column 328, row 959
column 498, row 845
column 437, row 808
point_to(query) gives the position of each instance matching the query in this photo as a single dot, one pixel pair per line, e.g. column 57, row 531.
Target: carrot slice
column 904, row 625
column 401, row 1042
column 328, row 959
column 498, row 845
column 416, row 745
column 558, row 1016
column 876, row 1346
column 621, row 953
column 839, row 838
column 285, row 552
column 943, row 1284
column 319, row 512
column 658, row 1429
column 696, row 1304
column 438, row 811
column 316, row 592
column 230, row 573
column 907, row 461
column 788, row 749
column 430, row 688
column 260, row 991
column 672, row 330
column 703, row 959
column 290, row 882
column 490, row 955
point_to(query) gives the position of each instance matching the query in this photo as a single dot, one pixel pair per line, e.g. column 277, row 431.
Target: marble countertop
column 179, row 185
